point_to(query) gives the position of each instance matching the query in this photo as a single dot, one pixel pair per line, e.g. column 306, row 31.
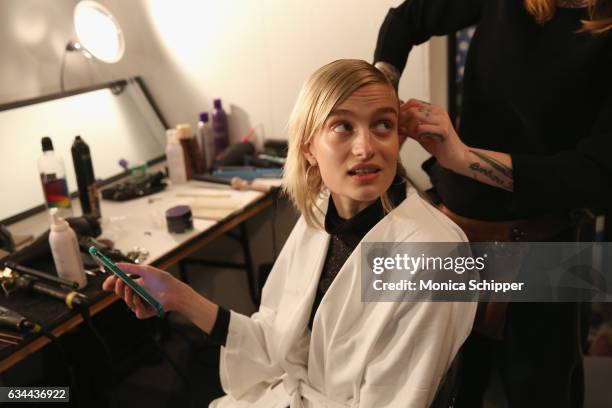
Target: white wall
column 254, row 54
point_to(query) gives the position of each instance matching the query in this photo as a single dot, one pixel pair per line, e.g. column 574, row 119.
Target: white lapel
column 303, row 277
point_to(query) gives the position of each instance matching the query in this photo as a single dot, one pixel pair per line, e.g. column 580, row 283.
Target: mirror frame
column 113, row 86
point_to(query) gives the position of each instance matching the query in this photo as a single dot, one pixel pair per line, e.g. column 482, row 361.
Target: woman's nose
column 362, row 145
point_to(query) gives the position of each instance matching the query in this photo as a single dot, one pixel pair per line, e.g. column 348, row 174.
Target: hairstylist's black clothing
column 543, row 94
column 345, row 235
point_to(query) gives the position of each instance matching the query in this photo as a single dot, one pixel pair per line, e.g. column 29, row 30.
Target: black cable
column 274, row 210
column 94, row 331
column 112, row 367
column 64, row 357
column 63, row 69
column 179, row 372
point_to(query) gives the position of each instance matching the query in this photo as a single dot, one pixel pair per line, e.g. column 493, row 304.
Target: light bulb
column 98, row 31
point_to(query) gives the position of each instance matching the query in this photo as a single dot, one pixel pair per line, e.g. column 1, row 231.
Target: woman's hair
column 600, row 14
column 326, row 88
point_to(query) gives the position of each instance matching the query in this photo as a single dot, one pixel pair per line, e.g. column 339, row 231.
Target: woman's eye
column 342, row 127
column 384, row 126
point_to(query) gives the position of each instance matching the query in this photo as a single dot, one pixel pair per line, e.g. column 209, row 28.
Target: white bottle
column 175, row 158
column 65, row 250
column 53, row 177
column 206, row 139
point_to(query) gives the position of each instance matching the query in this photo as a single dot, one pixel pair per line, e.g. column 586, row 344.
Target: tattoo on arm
column 499, row 173
column 496, row 164
column 488, row 173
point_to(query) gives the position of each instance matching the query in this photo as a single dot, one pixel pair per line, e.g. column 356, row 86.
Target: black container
column 179, row 219
column 86, row 181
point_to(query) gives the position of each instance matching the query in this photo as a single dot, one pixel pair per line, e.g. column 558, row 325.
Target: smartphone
column 108, row 264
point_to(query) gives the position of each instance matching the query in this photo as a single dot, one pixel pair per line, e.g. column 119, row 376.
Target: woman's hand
column 431, row 126
column 170, row 292
column 166, row 289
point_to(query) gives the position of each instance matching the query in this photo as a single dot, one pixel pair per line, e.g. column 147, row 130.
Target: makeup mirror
column 118, row 121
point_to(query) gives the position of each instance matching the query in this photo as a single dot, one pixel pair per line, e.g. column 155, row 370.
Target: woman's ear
column 307, row 151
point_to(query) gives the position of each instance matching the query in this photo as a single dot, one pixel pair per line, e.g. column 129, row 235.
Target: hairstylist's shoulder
column 428, row 224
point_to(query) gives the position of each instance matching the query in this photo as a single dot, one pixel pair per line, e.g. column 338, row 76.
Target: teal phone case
column 104, row 261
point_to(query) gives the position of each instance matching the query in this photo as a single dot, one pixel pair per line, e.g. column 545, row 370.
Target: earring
column 308, row 171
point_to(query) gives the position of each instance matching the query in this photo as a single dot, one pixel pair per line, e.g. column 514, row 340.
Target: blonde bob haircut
column 326, row 88
column 600, row 14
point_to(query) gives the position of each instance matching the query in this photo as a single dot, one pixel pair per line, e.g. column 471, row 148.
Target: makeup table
column 140, row 224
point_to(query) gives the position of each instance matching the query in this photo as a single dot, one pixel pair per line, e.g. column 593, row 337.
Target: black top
column 346, row 234
column 543, row 94
column 344, row 237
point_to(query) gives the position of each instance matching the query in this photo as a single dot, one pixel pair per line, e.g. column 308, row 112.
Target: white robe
column 379, row 354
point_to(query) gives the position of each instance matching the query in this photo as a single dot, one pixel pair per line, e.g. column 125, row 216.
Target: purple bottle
column 219, row 125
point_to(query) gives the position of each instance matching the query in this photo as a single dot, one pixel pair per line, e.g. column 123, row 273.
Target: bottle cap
column 204, row 117
column 47, row 144
column 171, row 136
column 217, row 103
column 57, row 222
column 183, row 131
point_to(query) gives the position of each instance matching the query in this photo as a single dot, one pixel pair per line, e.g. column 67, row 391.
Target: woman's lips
column 364, row 175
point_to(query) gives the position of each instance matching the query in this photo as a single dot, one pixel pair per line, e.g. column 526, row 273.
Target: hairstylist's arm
column 173, row 295
column 431, row 126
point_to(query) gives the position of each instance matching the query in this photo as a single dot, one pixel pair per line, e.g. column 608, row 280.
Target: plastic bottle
column 206, row 140
column 175, row 158
column 65, row 250
column 86, row 181
column 220, row 129
column 53, row 178
column 187, row 139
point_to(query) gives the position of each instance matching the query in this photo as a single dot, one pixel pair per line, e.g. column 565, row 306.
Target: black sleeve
column 218, row 334
column 415, row 21
column 571, row 179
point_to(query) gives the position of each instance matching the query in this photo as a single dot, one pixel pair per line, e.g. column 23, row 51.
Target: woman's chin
column 367, row 195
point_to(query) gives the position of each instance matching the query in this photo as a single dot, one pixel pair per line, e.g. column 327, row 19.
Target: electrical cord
column 179, row 372
column 94, row 331
column 63, row 355
column 273, row 226
column 63, row 69
column 112, row 367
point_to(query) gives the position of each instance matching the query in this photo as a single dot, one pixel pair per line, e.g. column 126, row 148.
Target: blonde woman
column 533, row 145
column 313, row 343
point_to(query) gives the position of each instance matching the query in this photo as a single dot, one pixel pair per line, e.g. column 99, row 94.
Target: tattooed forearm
column 493, row 168
column 495, row 164
column 488, row 173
